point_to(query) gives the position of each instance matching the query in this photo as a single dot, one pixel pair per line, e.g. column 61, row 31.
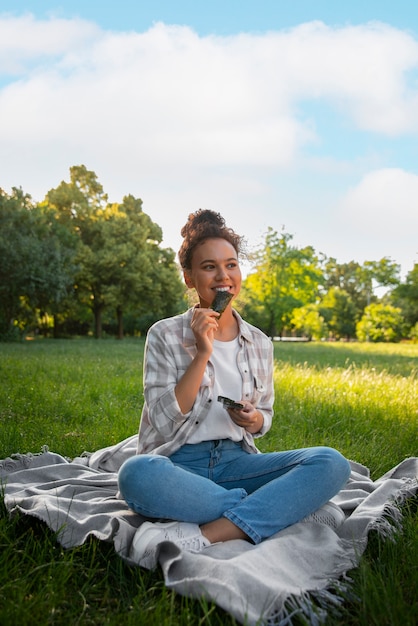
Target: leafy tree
column 121, row 265
column 80, row 205
column 14, row 209
column 142, row 276
column 284, row 278
column 80, row 202
column 414, row 333
column 346, row 276
column 339, row 312
column 35, row 269
column 405, row 296
column 360, row 281
column 383, row 273
column 308, row 320
column 380, row 322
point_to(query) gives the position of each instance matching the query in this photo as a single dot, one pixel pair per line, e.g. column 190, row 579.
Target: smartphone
column 230, row 404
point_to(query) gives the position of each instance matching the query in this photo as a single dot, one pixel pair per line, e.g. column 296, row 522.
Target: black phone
column 230, row 404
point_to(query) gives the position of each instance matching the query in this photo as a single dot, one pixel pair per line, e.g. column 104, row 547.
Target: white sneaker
column 330, row 514
column 150, row 534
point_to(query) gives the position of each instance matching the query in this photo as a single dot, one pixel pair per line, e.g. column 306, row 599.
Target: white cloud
column 26, row 40
column 379, row 218
column 363, row 69
column 169, row 95
column 185, row 121
column 384, row 203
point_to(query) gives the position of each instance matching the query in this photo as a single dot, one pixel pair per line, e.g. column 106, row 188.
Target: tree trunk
column 98, row 321
column 56, row 332
column 119, row 316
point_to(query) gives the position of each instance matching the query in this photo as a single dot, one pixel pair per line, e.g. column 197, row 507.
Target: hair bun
column 202, row 217
column 201, row 225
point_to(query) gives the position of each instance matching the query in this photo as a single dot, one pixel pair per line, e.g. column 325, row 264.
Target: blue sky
column 224, row 17
column 299, row 116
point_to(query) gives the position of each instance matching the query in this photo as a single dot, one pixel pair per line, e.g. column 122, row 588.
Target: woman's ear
column 188, row 279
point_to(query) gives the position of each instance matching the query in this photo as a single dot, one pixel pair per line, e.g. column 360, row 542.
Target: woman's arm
column 173, row 373
column 203, row 324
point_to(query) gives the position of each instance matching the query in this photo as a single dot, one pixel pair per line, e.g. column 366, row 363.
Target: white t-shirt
column 228, row 382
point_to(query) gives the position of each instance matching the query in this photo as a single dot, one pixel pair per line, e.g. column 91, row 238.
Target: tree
column 118, row 250
column 383, row 273
column 339, row 312
column 142, row 276
column 380, row 322
column 79, row 205
column 284, row 278
column 308, row 320
column 80, row 202
column 405, row 296
column 14, row 248
column 36, row 253
column 413, row 333
column 360, row 281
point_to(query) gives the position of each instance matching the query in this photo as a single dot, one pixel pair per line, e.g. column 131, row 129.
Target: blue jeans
column 260, row 493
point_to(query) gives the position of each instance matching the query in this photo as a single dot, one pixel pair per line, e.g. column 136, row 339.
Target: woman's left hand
column 249, row 418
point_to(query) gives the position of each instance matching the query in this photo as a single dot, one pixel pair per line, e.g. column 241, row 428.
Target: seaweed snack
column 221, row 301
column 230, row 404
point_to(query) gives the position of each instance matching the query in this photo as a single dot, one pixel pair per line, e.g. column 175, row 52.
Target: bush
column 380, row 322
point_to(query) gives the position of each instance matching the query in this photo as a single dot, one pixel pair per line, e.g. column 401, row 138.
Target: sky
column 297, row 116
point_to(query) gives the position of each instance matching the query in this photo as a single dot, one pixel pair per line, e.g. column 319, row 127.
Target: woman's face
column 214, row 266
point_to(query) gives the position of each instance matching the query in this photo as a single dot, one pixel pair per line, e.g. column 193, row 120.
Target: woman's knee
column 335, row 462
column 139, row 470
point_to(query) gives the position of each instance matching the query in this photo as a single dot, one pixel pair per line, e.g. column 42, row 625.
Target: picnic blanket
column 300, row 570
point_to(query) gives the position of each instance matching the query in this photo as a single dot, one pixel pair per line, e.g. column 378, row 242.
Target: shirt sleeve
column 164, row 364
column 266, row 401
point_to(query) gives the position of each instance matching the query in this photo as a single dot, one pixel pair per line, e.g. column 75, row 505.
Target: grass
column 362, row 398
column 76, row 395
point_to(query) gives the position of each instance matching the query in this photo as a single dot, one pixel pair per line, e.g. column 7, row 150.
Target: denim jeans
column 260, row 493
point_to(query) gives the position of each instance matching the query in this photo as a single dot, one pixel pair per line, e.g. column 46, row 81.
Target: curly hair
column 201, row 225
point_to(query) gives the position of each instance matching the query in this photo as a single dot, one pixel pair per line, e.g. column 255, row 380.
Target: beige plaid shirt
column 169, row 350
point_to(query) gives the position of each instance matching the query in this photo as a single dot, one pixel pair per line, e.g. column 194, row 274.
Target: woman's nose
column 221, row 273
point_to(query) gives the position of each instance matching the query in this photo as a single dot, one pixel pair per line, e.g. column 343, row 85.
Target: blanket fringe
column 389, row 524
column 315, row 607
column 20, row 461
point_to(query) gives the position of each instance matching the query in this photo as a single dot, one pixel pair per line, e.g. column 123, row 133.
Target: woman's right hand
column 204, row 324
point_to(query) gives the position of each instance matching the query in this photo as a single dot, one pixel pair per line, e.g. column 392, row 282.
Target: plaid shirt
column 169, row 350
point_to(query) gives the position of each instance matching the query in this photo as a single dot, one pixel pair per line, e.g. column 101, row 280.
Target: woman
column 197, row 463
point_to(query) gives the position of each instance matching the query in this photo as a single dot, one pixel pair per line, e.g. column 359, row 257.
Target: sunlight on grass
column 397, row 359
column 372, row 417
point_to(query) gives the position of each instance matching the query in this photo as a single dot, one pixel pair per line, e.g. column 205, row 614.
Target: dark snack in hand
column 230, row 404
column 221, row 301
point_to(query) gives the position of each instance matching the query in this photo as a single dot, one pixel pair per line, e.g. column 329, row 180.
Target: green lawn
column 76, row 395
